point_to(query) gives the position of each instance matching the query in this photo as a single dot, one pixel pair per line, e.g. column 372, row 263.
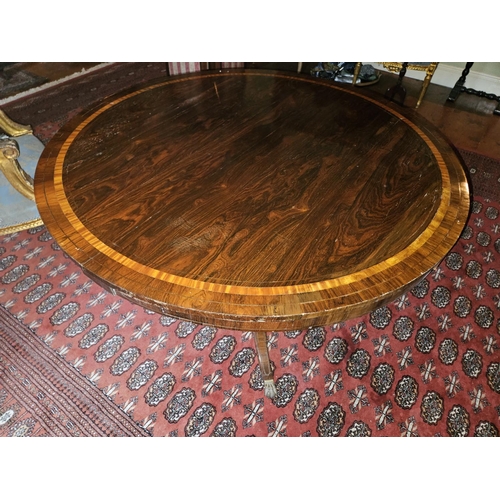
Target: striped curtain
column 178, row 68
column 233, row 64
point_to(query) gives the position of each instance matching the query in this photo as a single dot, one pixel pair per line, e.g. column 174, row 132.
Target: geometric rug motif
column 426, row 364
column 484, row 174
column 42, row 395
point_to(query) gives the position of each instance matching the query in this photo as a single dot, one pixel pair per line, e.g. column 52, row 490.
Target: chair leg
column 427, row 80
column 398, row 89
column 357, row 69
column 457, row 89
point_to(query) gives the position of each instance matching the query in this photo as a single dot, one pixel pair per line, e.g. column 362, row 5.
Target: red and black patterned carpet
column 427, row 364
column 75, row 360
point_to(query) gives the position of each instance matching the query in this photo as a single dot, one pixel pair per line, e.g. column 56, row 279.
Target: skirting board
column 447, row 76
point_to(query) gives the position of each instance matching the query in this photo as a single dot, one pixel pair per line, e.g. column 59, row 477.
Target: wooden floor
column 469, row 123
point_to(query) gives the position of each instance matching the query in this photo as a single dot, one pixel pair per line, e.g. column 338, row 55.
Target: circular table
column 252, row 200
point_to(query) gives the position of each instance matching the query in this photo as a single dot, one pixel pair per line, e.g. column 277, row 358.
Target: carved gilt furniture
column 401, row 68
column 19, row 153
column 9, row 153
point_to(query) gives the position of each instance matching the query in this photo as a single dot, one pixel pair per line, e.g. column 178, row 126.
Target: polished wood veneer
column 252, row 200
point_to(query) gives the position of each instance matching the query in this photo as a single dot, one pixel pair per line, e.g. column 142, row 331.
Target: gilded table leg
column 12, row 128
column 9, row 152
column 265, row 364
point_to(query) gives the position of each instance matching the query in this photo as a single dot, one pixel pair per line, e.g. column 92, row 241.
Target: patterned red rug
column 42, row 395
column 75, row 360
column 427, row 364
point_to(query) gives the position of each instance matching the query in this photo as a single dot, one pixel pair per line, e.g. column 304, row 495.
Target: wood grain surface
column 252, row 200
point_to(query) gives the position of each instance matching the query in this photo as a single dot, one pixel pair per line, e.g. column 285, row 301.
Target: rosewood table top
column 252, row 200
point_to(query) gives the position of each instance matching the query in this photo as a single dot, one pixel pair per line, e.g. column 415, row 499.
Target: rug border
column 122, row 420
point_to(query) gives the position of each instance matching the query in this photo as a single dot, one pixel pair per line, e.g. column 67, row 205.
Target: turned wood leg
column 9, row 152
column 11, row 127
column 457, row 89
column 265, row 364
